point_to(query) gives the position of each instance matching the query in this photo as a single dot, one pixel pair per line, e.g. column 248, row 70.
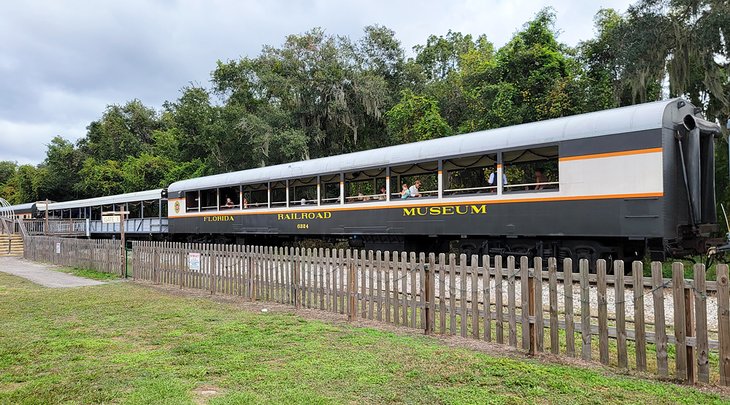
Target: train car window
column 363, row 186
column 134, row 210
column 162, row 207
column 531, row 170
column 230, row 198
column 303, row 191
column 255, row 196
column 424, row 173
column 209, row 199
column 96, row 213
column 151, row 209
column 470, row 175
column 192, row 202
column 330, row 189
column 278, row 194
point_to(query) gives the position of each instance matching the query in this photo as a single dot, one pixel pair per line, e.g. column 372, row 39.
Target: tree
column 122, row 131
column 60, row 169
column 416, row 118
column 145, row 172
column 7, row 171
column 98, row 178
column 327, row 87
column 22, row 187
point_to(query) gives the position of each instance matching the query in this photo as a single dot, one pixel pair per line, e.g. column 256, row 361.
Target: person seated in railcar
column 383, row 193
column 405, row 192
column 540, row 178
column 229, row 203
column 414, row 190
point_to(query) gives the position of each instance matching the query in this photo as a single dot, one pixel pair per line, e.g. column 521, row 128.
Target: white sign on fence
column 111, row 219
column 194, row 261
column 58, row 248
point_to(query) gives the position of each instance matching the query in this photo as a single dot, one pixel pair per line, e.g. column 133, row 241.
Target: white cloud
column 25, row 143
column 61, row 63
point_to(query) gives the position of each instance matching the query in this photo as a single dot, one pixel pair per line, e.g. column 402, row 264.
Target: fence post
column 212, row 268
column 703, row 366
column 690, row 332
column 428, row 292
column 723, row 322
column 295, row 277
column 680, row 331
column 660, row 334
column 351, row 287
column 155, row 261
column 602, row 312
column 531, row 308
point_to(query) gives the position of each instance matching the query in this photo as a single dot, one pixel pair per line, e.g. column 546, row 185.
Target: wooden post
column 585, row 311
column 511, row 301
column 680, row 330
column 351, row 287
column 45, row 229
column 498, row 308
column 637, row 270
column 660, row 334
column 621, row 348
column 690, row 332
column 553, row 282
column 602, row 312
column 531, row 309
column 723, row 322
column 428, row 294
column 569, row 325
column 703, row 366
column 525, row 296
column 124, row 245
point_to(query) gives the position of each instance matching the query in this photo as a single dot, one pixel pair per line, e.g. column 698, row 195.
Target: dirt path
column 42, row 274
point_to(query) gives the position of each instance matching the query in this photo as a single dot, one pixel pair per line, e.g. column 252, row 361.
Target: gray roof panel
column 18, row 208
column 619, row 120
column 112, row 199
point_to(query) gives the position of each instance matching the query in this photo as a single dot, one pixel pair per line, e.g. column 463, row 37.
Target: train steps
column 11, row 245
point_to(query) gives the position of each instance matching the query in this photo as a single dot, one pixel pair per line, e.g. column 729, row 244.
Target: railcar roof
column 112, row 199
column 619, row 120
column 18, row 208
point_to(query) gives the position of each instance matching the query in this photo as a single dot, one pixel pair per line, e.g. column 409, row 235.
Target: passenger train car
column 618, row 183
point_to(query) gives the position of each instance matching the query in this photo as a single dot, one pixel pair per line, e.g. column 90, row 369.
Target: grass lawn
column 128, row 343
column 92, row 274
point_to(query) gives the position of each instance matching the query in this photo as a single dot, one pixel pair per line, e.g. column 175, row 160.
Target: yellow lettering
column 448, row 211
column 421, row 211
column 478, row 209
column 293, row 216
column 434, row 211
column 409, row 212
column 459, row 210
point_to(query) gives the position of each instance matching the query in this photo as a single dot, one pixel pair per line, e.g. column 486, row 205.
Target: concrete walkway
column 42, row 274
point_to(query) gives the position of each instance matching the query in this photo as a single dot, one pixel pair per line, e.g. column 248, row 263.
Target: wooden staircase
column 11, row 245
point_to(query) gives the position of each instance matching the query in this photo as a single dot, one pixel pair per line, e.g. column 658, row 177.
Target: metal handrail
column 7, row 214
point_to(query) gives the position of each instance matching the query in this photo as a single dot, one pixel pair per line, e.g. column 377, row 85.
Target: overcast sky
column 63, row 62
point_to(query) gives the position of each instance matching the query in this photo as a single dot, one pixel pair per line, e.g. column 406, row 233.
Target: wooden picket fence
column 102, row 255
column 449, row 295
